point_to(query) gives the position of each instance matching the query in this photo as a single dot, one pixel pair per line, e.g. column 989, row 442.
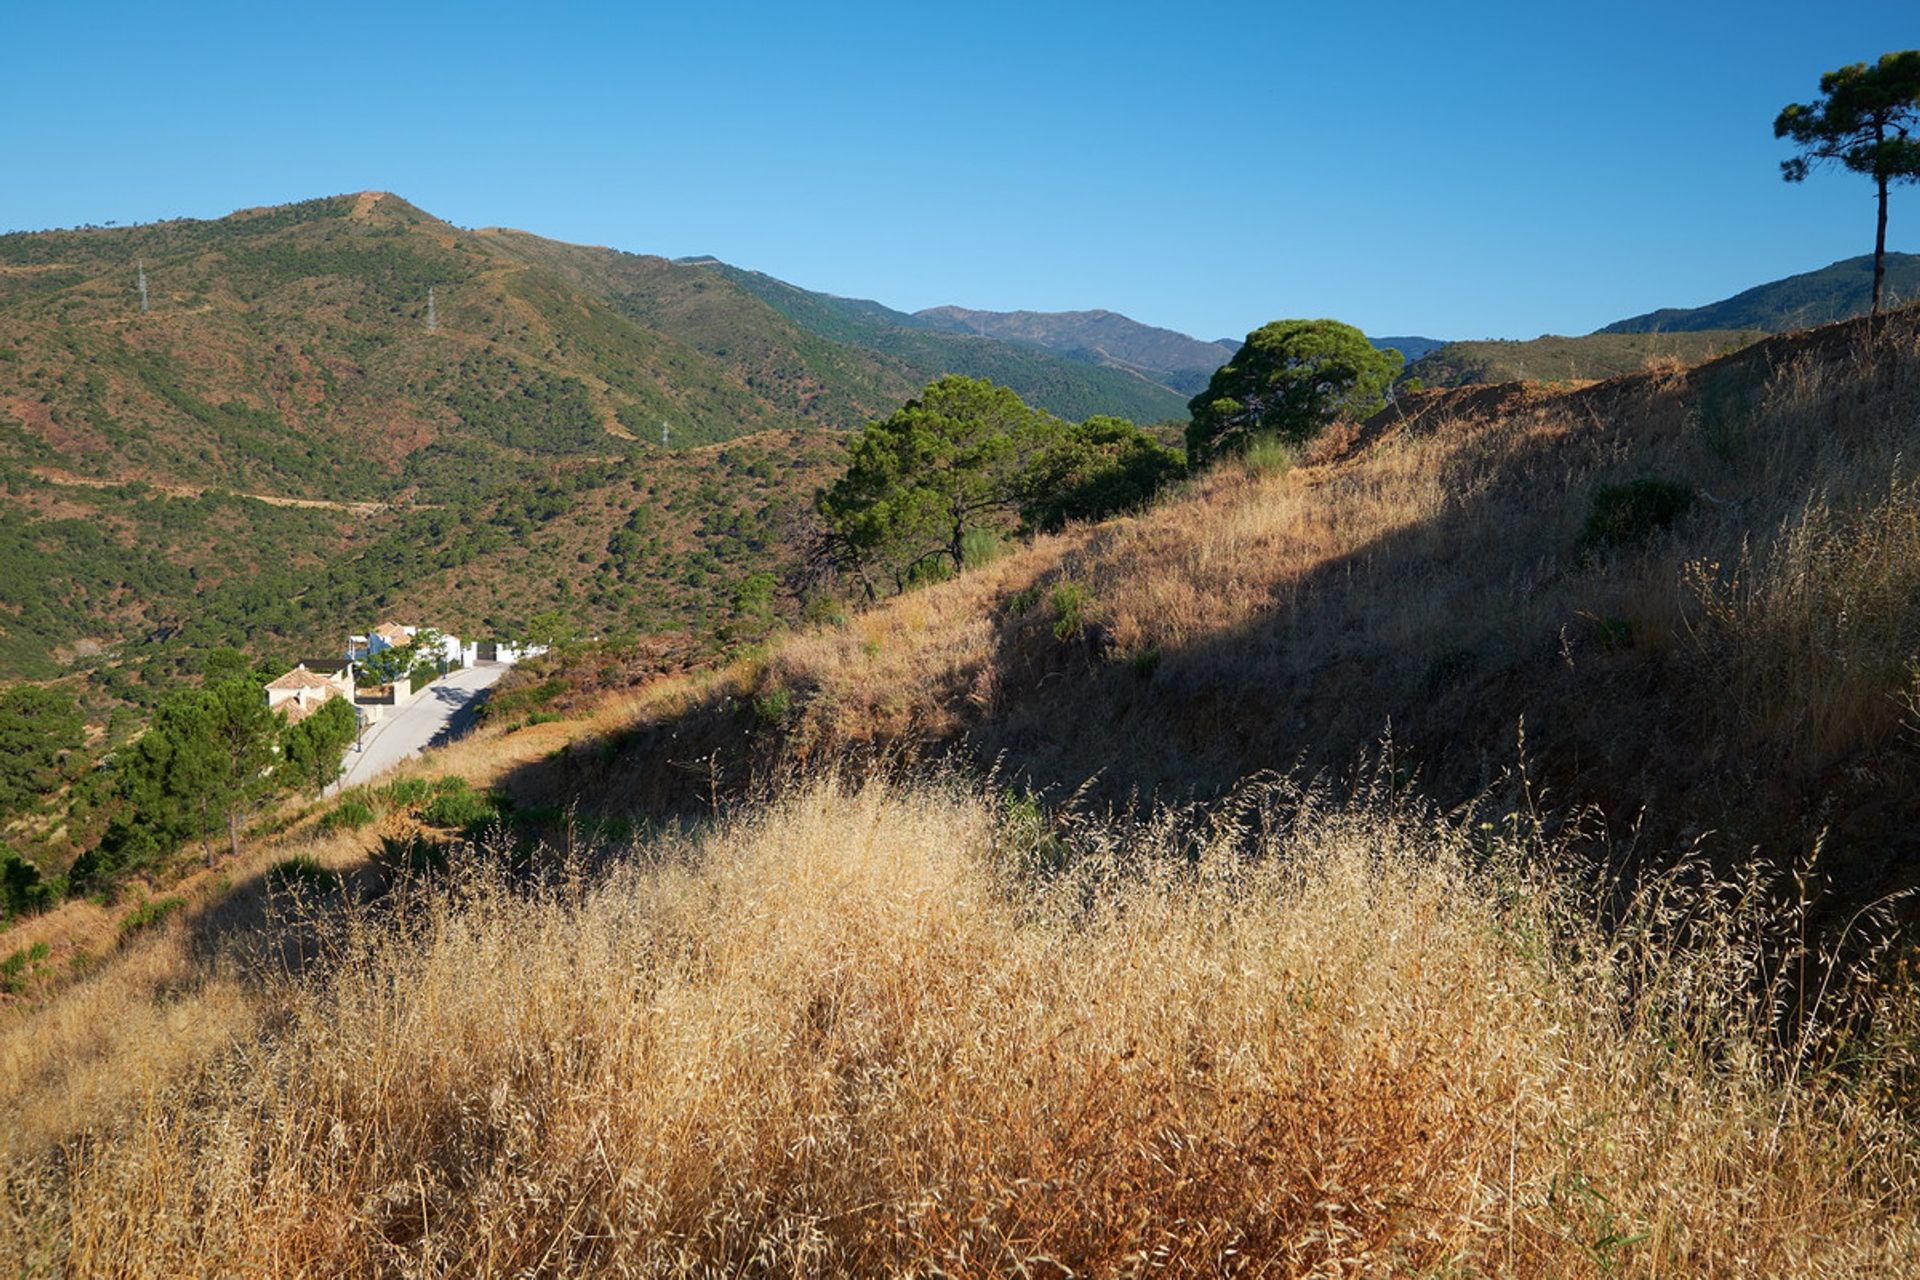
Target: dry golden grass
column 1432, row 574
column 903, row 1029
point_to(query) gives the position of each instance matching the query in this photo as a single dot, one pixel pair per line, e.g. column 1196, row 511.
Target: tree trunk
column 206, row 839
column 233, row 830
column 957, row 548
column 1880, row 249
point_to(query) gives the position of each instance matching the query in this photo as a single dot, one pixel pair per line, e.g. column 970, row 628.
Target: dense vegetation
column 1063, row 384
column 1288, row 380
column 966, row 462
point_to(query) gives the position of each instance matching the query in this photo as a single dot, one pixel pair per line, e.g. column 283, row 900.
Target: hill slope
column 1838, row 291
column 1176, row 361
column 1068, row 386
column 1695, row 589
column 1557, row 359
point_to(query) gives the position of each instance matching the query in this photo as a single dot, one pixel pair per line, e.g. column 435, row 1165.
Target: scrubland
column 911, row 1027
column 1041, row 922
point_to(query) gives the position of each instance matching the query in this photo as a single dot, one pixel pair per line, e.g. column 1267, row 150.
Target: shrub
column 148, row 914
column 456, row 804
column 22, row 966
column 302, row 872
column 1270, row 456
column 773, row 706
column 404, row 793
column 350, row 815
column 1623, row 513
column 1070, row 604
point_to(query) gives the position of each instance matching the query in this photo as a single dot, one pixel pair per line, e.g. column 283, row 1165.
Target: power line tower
column 433, row 323
column 141, row 266
column 664, row 430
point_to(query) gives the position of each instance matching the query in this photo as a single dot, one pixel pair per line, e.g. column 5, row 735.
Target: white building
column 301, row 691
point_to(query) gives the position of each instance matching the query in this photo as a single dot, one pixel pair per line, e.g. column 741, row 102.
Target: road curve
column 442, row 712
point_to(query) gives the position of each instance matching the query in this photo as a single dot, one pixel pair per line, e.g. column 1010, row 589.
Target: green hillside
column 1839, row 291
column 1556, row 359
column 1059, row 383
column 1105, row 338
column 281, row 444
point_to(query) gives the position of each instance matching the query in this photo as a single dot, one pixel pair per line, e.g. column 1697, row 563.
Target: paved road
column 442, row 712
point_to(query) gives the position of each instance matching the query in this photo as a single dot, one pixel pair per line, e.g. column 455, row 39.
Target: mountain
column 1105, row 338
column 347, row 404
column 1836, row 292
column 1410, row 347
column 1074, row 385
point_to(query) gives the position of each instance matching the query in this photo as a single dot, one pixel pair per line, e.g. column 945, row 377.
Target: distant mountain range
column 1839, row 291
column 1069, row 381
column 1103, row 338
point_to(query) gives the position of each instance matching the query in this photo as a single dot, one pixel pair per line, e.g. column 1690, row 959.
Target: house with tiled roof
column 301, row 691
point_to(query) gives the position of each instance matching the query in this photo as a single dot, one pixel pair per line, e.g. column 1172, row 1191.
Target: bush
column 350, row 815
column 1070, row 603
column 404, row 793
column 150, row 913
column 22, row 966
column 1270, row 455
column 773, row 706
column 302, row 872
column 1623, row 513
column 457, row 805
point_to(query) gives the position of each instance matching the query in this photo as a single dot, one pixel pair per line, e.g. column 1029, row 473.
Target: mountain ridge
column 1838, row 291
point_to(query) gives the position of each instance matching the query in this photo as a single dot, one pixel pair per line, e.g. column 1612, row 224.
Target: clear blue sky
column 1458, row 170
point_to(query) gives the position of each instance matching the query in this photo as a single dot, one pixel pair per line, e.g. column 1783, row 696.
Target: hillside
column 1312, row 874
column 1693, row 587
column 1838, row 291
column 1556, row 359
column 1413, row 348
column 1064, row 384
column 1176, row 361
column 475, row 468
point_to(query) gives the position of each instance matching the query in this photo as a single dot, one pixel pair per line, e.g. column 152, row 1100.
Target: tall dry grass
column 915, row 1030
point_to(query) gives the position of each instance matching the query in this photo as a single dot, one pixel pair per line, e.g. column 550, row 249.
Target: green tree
column 39, row 729
column 204, row 763
column 384, row 666
column 1289, row 379
column 937, row 468
column 1863, row 121
column 311, row 750
column 752, row 607
column 1095, row 469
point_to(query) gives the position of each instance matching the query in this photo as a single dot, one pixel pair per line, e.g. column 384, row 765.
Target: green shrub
column 1623, row 513
column 412, row 855
column 457, row 805
column 773, row 706
column 150, row 912
column 22, row 966
column 351, row 815
column 1269, row 456
column 1070, row 604
column 302, row 872
column 404, row 793
column 1023, row 600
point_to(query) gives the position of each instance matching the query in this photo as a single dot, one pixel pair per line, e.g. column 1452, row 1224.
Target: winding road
column 443, row 711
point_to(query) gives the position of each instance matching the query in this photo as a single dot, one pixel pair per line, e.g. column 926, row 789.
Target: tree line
column 212, row 757
column 947, row 475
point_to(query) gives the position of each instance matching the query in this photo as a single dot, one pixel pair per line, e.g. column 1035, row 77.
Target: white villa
column 301, row 691
column 393, row 635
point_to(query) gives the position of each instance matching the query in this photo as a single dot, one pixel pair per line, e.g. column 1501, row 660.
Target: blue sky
column 1459, row 170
